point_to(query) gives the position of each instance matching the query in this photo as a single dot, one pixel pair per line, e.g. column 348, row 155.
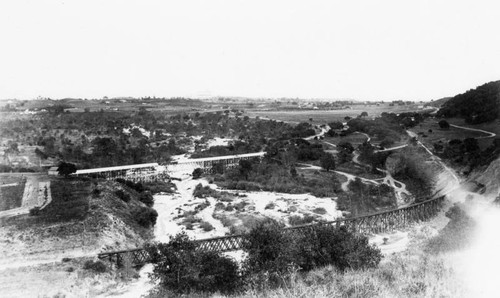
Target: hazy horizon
column 356, row 50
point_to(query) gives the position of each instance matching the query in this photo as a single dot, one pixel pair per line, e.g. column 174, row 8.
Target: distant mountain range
column 476, row 105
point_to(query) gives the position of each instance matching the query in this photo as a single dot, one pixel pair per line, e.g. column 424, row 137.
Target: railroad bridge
column 153, row 172
column 379, row 222
column 228, row 161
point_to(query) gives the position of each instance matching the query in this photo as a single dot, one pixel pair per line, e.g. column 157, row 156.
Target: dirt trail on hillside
column 489, row 133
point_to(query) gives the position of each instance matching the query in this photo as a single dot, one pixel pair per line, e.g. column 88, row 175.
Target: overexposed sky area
column 368, row 50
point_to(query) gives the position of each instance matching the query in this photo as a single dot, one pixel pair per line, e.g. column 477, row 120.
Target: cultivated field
column 325, row 116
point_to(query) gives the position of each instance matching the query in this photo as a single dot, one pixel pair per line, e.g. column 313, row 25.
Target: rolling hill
column 476, row 105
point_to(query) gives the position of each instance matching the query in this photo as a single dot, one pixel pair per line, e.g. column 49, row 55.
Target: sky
column 366, row 50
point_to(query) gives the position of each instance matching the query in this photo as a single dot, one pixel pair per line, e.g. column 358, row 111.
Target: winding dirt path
column 489, row 133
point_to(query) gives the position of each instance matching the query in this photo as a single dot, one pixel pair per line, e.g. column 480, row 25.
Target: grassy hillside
column 100, row 216
column 476, row 105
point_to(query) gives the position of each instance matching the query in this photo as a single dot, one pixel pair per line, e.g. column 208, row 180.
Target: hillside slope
column 476, row 105
column 489, row 177
column 72, row 226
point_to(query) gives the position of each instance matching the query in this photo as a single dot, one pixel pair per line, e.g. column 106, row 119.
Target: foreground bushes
column 181, row 269
column 272, row 253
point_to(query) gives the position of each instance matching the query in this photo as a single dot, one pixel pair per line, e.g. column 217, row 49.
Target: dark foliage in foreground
column 181, row 269
column 96, row 266
column 271, row 251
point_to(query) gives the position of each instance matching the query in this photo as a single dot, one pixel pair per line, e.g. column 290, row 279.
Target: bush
column 146, row 216
column 201, row 191
column 272, row 249
column 35, row 211
column 182, row 269
column 147, row 199
column 268, row 248
column 296, row 220
column 320, row 210
column 122, row 195
column 97, row 266
column 206, row 226
column 135, row 186
column 270, row 205
column 197, row 173
column 444, row 124
column 329, row 245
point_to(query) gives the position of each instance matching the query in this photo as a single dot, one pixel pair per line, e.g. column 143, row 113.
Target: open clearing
column 326, row 116
column 439, row 134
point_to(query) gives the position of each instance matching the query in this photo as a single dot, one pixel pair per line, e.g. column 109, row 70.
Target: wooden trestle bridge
column 153, row 172
column 368, row 224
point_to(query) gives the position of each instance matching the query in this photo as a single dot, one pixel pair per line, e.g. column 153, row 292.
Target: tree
column 197, row 173
column 245, row 167
column 65, row 169
column 346, row 146
column 364, row 114
column 336, row 125
column 444, row 124
column 327, row 162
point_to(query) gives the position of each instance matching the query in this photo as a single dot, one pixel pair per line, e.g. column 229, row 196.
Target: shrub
column 135, row 186
column 96, row 266
column 35, row 211
column 197, row 173
column 272, row 249
column 219, row 206
column 268, row 248
column 270, row 205
column 444, row 124
column 206, row 226
column 201, row 191
column 329, row 245
column 296, row 220
column 122, row 195
column 320, row 210
column 147, row 199
column 146, row 216
column 182, row 269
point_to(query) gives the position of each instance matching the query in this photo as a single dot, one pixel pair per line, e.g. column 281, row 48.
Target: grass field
column 326, row 116
column 453, row 132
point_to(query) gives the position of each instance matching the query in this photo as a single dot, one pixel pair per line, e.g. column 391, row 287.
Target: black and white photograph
column 249, row 149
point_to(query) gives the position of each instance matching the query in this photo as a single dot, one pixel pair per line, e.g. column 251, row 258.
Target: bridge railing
column 368, row 224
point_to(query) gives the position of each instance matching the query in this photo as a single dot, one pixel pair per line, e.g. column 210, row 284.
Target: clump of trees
column 327, row 162
column 271, row 252
column 65, row 169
